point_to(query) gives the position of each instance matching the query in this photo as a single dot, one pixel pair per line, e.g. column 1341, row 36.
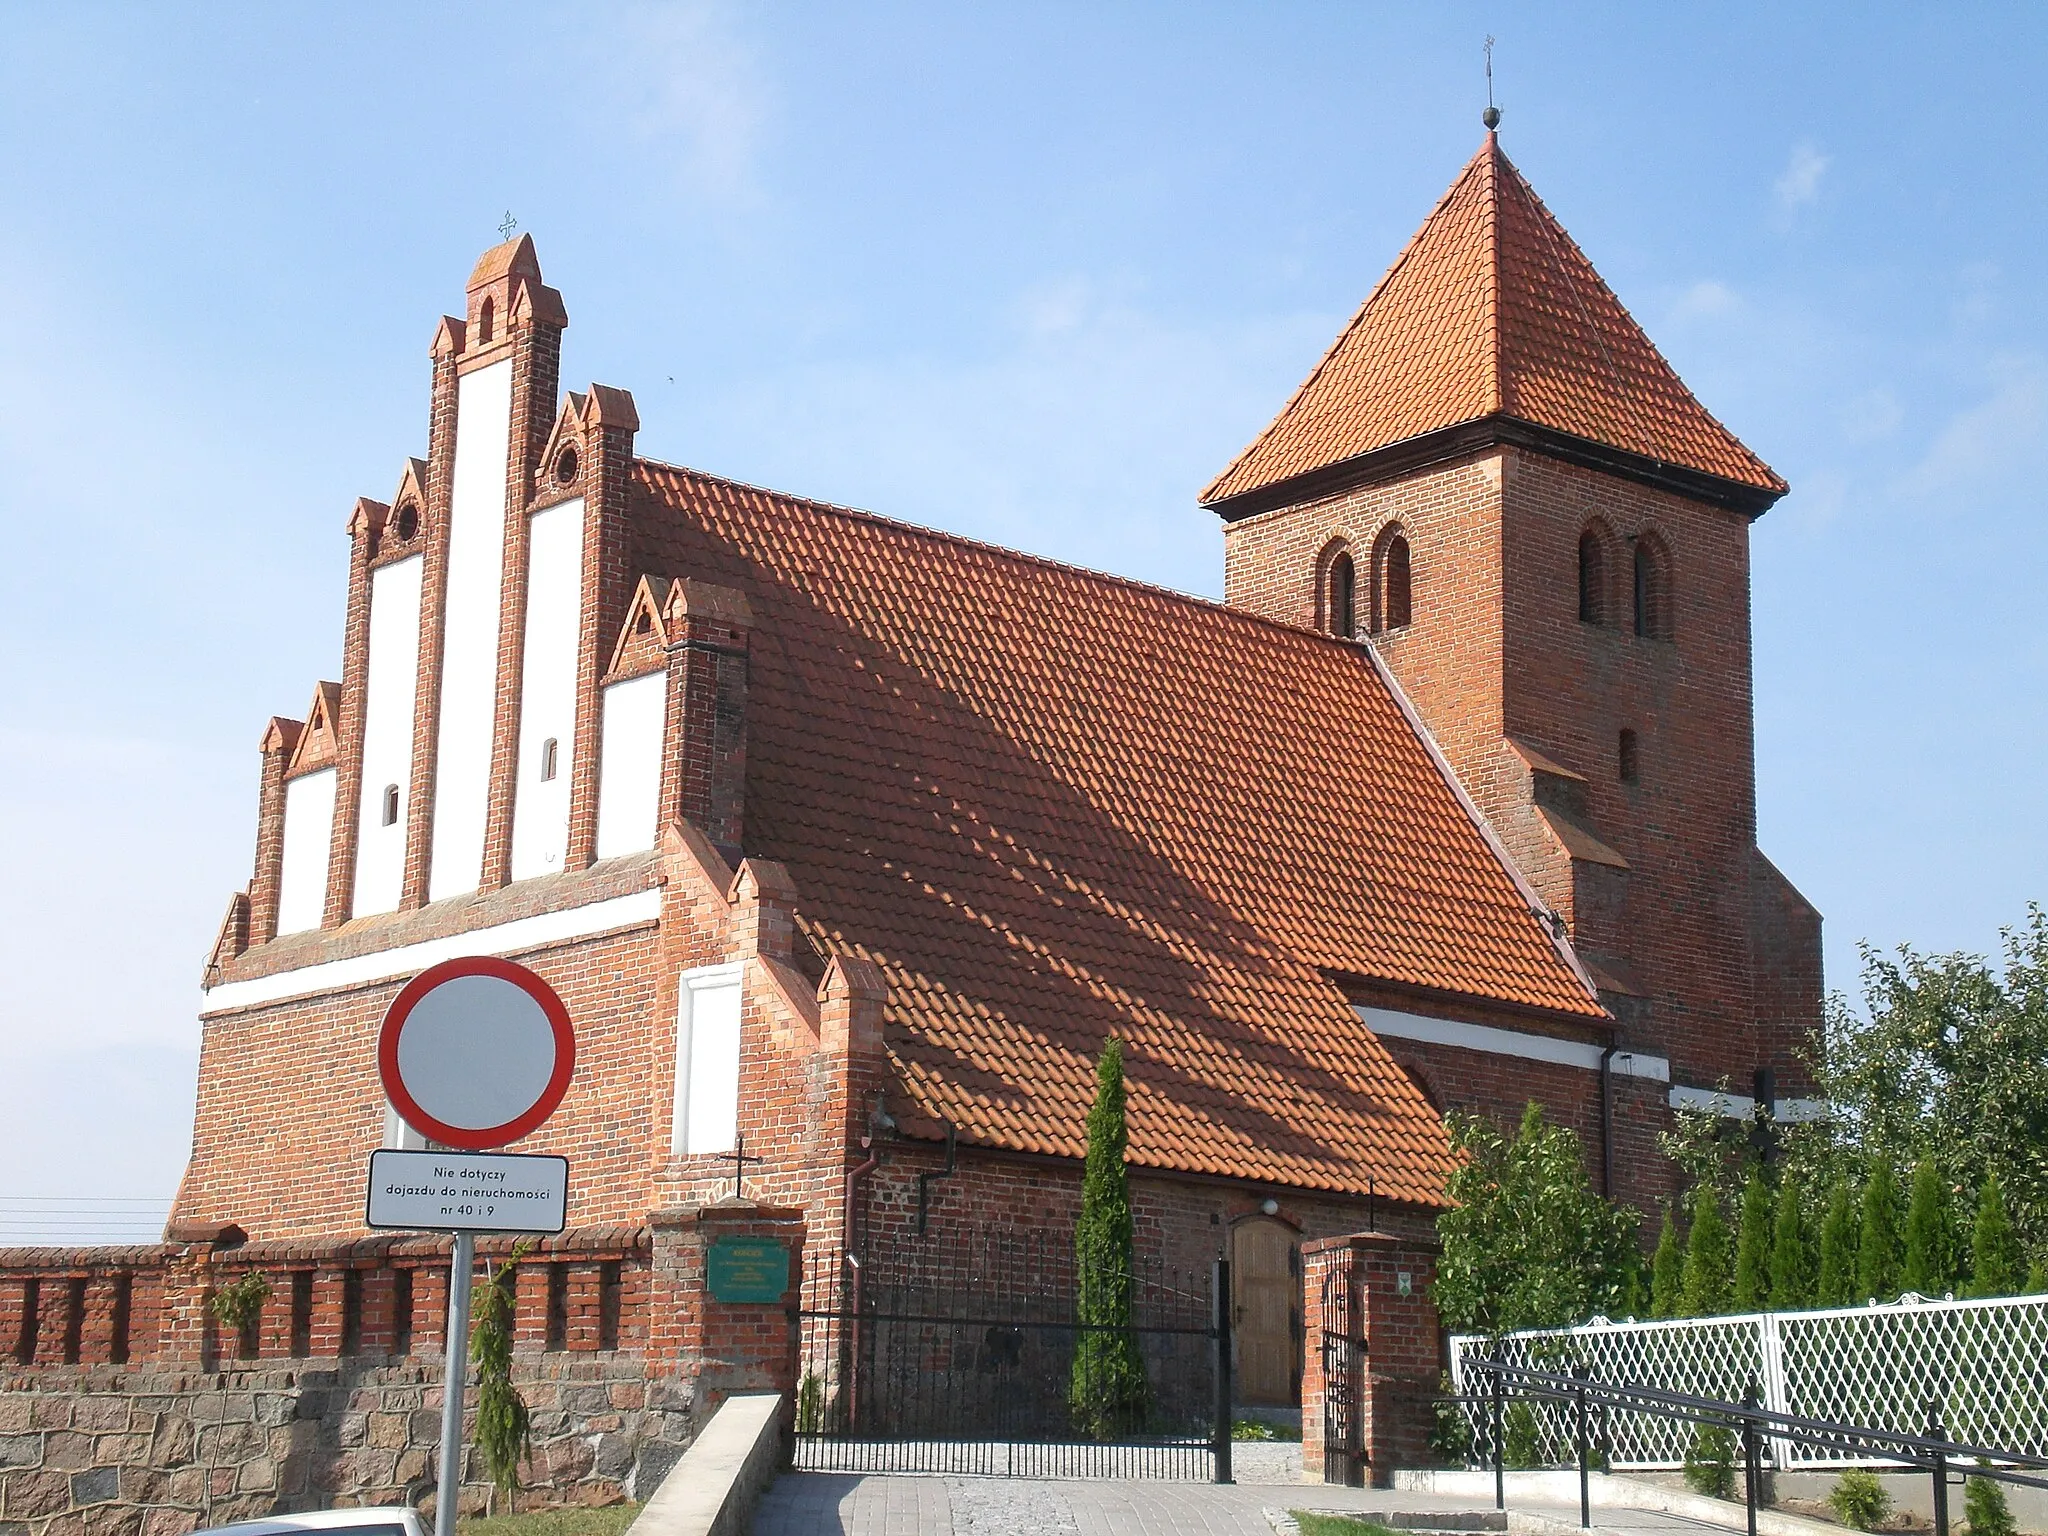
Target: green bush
column 1522, row 1436
column 1109, row 1394
column 810, row 1404
column 1450, row 1431
column 1710, row 1461
column 1859, row 1500
column 1985, row 1509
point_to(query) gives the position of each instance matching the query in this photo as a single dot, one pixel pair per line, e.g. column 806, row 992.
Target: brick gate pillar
column 710, row 1318
column 1381, row 1296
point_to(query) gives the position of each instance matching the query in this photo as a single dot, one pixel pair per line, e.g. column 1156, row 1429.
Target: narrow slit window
column 1343, row 598
column 1590, row 578
column 1628, row 762
column 484, row 320
column 390, row 805
column 547, row 759
column 1397, row 604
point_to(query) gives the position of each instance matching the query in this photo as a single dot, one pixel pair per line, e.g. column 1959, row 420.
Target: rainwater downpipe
column 924, row 1180
column 1607, row 1120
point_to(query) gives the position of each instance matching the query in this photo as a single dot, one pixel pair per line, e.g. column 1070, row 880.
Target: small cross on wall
column 740, row 1158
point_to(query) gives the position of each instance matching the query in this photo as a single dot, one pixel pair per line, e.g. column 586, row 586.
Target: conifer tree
column 1791, row 1255
column 1109, row 1395
column 1836, row 1286
column 1877, row 1244
column 1930, row 1268
column 1705, row 1291
column 1994, row 1249
column 1667, row 1271
column 1753, row 1246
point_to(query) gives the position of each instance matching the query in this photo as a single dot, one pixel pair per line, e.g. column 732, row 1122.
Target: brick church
column 856, row 839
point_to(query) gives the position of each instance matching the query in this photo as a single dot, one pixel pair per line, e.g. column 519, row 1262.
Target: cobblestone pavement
column 854, row 1504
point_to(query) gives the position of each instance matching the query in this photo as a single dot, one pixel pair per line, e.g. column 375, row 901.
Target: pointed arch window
column 1592, row 579
column 486, row 318
column 1393, row 595
column 1343, row 607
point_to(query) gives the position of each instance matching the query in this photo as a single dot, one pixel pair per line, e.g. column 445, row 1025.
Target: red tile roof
column 1051, row 804
column 1491, row 310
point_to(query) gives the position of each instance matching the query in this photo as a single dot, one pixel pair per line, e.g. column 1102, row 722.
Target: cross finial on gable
column 508, row 226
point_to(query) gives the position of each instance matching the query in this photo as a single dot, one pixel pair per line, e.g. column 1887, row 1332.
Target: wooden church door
column 1265, row 1279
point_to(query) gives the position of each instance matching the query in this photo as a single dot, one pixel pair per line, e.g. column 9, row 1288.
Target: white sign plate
column 468, row 1191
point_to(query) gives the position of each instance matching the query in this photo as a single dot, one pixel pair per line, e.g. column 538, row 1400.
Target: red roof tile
column 1051, row 804
column 1491, row 310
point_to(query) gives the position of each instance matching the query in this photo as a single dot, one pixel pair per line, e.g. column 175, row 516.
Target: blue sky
column 1031, row 274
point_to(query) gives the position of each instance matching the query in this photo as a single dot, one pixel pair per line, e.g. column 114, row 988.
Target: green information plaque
column 747, row 1269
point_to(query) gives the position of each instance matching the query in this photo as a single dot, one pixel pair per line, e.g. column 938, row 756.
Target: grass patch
column 1259, row 1429
column 610, row 1520
column 1338, row 1525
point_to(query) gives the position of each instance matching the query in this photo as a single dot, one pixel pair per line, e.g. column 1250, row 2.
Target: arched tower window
column 485, row 318
column 1393, row 597
column 1651, row 590
column 1343, row 609
column 1592, row 579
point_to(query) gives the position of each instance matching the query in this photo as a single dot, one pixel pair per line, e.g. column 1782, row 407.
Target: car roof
column 317, row 1520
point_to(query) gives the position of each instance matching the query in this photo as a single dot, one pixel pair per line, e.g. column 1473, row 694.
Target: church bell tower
column 1495, row 480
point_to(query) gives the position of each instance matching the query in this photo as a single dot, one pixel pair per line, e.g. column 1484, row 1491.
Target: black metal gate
column 959, row 1354
column 1343, row 1359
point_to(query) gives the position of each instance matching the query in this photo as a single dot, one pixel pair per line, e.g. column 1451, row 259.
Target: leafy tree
column 1948, row 1058
column 1836, row 1286
column 1705, row 1290
column 1667, row 1272
column 1108, row 1395
column 1528, row 1242
column 1877, row 1244
column 1994, row 1250
column 1753, row 1246
column 1930, row 1268
column 1791, row 1254
column 2037, row 1277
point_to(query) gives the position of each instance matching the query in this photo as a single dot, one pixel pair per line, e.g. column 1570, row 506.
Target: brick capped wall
column 124, row 1408
column 1386, row 1305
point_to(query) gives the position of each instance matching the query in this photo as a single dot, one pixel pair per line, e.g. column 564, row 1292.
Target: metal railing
column 1987, row 1361
column 1757, row 1427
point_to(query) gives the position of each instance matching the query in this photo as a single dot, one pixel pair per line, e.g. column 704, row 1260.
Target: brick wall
column 1702, row 950
column 1380, row 1296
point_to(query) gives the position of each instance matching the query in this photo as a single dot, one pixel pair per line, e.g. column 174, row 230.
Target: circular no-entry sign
column 476, row 1052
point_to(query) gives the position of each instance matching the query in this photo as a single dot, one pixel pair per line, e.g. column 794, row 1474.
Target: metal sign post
column 461, row 1275
column 473, row 1054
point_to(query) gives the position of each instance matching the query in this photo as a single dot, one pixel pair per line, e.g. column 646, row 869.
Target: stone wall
column 126, row 1410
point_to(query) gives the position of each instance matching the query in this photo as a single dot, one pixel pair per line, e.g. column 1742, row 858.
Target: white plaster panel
column 707, row 1099
column 522, row 933
column 308, row 840
column 547, row 690
column 391, row 686
column 469, row 645
column 629, row 765
column 1513, row 1042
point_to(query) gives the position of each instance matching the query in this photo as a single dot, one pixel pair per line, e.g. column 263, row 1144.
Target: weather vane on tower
column 1491, row 116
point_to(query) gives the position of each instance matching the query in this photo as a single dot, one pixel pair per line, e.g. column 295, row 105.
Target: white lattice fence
column 1984, row 1363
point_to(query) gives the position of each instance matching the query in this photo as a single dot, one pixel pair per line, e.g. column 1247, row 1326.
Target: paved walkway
column 855, row 1504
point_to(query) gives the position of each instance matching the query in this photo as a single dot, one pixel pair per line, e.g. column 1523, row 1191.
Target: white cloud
column 1707, row 297
column 689, row 80
column 1799, row 183
column 1991, row 441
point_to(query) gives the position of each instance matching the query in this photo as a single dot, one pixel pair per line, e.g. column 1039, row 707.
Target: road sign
column 468, row 1191
column 476, row 1052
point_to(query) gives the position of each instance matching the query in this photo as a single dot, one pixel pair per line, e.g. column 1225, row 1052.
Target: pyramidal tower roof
column 1491, row 326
